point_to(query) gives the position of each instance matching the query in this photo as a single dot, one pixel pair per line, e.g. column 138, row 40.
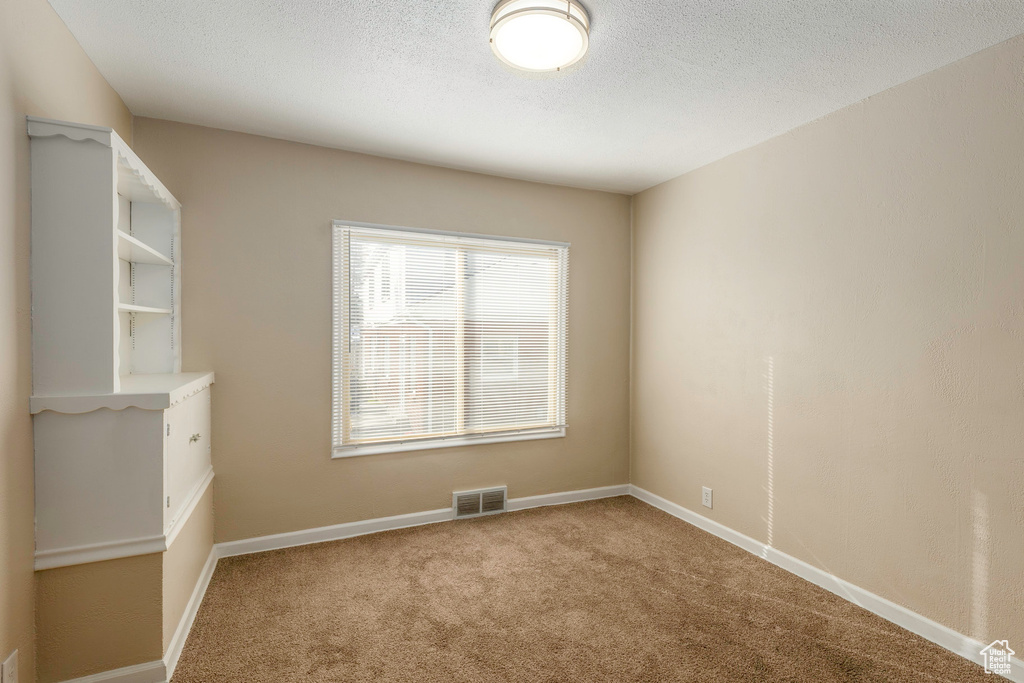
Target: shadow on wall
column 981, row 532
column 979, row 568
column 770, row 521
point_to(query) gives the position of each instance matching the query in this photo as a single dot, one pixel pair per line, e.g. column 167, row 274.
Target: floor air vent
column 476, row 503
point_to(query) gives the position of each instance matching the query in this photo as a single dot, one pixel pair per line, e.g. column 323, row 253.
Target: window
column 443, row 339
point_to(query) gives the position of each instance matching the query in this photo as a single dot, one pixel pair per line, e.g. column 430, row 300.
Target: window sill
column 452, row 442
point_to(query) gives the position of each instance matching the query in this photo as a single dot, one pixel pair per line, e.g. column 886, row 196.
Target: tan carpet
column 609, row 590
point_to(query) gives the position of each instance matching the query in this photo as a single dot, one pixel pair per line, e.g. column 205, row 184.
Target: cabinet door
column 187, row 456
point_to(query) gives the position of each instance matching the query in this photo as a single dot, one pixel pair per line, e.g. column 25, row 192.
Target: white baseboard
column 150, row 672
column 935, row 632
column 160, row 671
column 185, row 625
column 566, row 497
column 337, row 532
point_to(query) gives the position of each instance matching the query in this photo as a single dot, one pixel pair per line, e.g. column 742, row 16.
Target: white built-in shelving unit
column 122, row 436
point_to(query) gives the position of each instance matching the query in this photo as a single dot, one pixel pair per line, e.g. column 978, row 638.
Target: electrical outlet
column 706, row 497
column 9, row 672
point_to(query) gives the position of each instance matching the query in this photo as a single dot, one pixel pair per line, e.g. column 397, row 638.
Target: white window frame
column 424, row 443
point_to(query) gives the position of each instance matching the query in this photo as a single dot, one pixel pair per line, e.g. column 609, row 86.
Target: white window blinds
column 441, row 336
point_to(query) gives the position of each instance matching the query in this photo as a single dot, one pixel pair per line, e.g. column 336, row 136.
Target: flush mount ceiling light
column 539, row 35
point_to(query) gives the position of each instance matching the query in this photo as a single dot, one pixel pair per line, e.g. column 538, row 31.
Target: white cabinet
column 106, row 263
column 186, row 455
column 122, row 436
column 114, row 483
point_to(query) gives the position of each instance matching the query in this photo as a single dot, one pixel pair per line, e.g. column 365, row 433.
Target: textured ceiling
column 667, row 86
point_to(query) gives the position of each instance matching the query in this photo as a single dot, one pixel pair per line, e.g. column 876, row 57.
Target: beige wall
column 99, row 616
column 868, row 265
column 257, row 310
column 868, row 268
column 183, row 563
column 44, row 72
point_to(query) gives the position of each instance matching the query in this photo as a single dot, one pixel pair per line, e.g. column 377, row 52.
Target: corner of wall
column 632, row 321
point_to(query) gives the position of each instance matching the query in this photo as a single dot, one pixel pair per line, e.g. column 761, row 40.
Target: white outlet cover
column 9, row 672
column 706, row 497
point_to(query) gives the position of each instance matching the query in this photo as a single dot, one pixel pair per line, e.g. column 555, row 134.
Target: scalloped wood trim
column 151, row 398
column 78, row 132
column 39, row 127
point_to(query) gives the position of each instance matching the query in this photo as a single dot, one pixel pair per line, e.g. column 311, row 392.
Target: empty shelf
column 131, row 249
column 132, row 308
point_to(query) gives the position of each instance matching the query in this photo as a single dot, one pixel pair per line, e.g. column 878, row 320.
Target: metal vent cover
column 467, row 504
column 479, row 502
column 492, row 501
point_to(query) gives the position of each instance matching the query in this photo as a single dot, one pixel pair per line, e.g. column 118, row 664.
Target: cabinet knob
column 194, row 438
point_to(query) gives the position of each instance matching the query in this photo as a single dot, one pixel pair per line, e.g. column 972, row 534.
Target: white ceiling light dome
column 540, row 35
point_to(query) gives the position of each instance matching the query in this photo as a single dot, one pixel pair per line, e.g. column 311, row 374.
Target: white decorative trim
column 187, row 619
column 370, row 526
column 331, row 533
column 566, row 497
column 197, row 493
column 943, row 636
column 150, row 672
column 97, row 552
column 148, row 392
column 39, row 127
column 113, row 550
column 140, row 173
